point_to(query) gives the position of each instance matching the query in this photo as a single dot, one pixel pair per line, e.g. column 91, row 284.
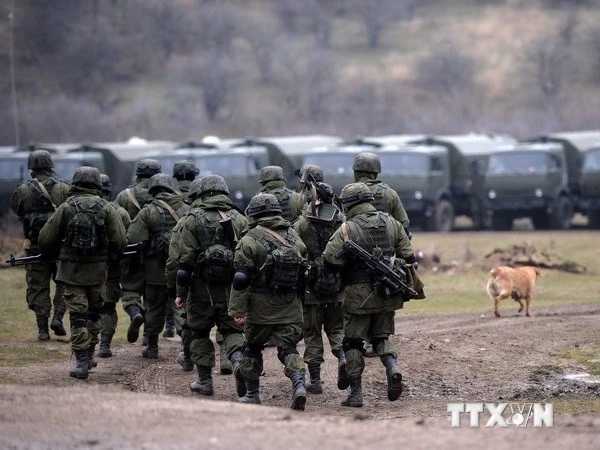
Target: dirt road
column 130, row 402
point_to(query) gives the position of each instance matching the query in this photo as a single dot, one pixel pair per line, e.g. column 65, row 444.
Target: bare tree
column 446, row 70
column 547, row 63
column 218, row 23
column 320, row 14
column 594, row 50
column 289, row 11
column 262, row 35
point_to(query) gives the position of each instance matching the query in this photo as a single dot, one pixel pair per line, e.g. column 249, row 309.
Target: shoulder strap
column 132, row 198
column 226, row 217
column 168, row 208
column 272, row 233
column 45, row 192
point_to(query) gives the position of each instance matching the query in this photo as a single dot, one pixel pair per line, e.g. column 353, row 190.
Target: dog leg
column 503, row 296
column 520, row 303
column 527, row 301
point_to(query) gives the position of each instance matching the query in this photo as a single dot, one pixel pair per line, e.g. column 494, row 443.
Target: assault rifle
column 330, row 204
column 384, row 275
column 130, row 250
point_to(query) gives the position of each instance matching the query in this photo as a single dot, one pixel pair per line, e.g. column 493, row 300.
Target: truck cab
column 590, row 185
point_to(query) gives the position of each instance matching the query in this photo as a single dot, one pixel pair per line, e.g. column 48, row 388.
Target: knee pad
column 284, row 350
column 353, row 344
column 93, row 314
column 376, row 341
column 254, row 351
column 109, row 308
column 78, row 320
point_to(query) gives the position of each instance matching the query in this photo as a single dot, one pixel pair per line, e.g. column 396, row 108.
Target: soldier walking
column 368, row 307
column 83, row 234
column 273, row 181
column 33, row 202
column 266, row 296
column 207, row 237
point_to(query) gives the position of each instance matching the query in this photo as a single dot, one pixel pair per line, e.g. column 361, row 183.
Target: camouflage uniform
column 268, row 310
column 323, row 299
column 109, row 318
column 367, row 311
column 30, row 204
column 152, row 227
column 273, row 181
column 132, row 200
column 205, row 271
column 82, row 253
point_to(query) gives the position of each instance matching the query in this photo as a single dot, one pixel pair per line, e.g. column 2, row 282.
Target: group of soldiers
column 279, row 271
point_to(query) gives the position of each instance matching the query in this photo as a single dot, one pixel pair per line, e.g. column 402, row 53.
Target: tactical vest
column 162, row 228
column 372, row 234
column 379, row 199
column 284, row 197
column 85, row 239
column 39, row 209
column 321, row 282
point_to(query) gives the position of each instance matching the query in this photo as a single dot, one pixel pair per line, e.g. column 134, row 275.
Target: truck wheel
column 501, row 222
column 594, row 219
column 443, row 218
column 563, row 213
column 540, row 221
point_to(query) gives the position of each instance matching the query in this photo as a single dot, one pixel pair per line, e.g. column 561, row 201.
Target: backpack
column 41, row 207
column 215, row 263
column 161, row 237
column 85, row 238
column 325, row 282
column 285, row 268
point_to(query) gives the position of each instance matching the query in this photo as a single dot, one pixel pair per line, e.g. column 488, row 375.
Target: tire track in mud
column 151, row 379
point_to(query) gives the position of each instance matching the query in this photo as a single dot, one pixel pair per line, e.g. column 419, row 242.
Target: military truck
column 452, row 185
column 590, row 185
column 539, row 178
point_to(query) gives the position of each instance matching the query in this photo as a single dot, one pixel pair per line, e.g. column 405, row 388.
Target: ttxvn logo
column 503, row 415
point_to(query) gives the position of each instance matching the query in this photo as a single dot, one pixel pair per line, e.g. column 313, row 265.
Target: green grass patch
column 587, row 356
column 577, row 406
column 22, row 356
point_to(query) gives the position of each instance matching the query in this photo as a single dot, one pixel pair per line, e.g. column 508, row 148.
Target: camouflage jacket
column 53, row 234
column 139, row 192
column 362, row 298
column 28, row 205
column 194, row 239
column 265, row 307
column 184, row 188
column 114, row 267
column 147, row 227
column 291, row 202
column 390, row 200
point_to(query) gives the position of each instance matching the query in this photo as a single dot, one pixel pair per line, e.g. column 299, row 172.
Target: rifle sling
column 45, row 192
column 168, row 208
column 272, row 233
column 132, row 198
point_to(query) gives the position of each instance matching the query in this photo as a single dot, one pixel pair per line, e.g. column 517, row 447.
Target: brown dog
column 516, row 282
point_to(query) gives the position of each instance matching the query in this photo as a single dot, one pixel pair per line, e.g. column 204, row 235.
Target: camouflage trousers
column 84, row 304
column 38, row 277
column 109, row 318
column 132, row 283
column 357, row 327
column 286, row 338
column 156, row 299
column 326, row 317
column 201, row 318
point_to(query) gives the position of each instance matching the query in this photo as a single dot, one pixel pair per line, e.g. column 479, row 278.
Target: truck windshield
column 518, row 163
column 592, row 161
column 227, row 165
column 404, row 164
column 333, row 163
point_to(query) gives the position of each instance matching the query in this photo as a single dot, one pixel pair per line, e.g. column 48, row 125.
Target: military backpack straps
column 85, row 239
column 285, row 268
column 133, row 198
column 379, row 199
column 161, row 236
column 39, row 209
column 321, row 281
column 215, row 262
column 285, row 198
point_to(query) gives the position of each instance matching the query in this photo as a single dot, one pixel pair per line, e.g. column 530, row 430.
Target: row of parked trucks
column 491, row 179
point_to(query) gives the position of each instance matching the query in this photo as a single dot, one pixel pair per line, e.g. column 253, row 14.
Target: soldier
column 153, row 227
column 368, row 309
column 132, row 281
column 323, row 299
column 33, row 202
column 273, row 181
column 207, row 237
column 266, row 296
column 83, row 234
column 109, row 317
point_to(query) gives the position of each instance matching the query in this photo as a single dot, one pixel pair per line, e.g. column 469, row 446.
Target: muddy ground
column 131, row 402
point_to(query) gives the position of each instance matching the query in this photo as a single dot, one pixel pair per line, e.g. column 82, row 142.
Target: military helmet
column 367, row 162
column 145, row 168
column 194, row 190
column 86, row 176
column 271, row 173
column 39, row 159
column 212, row 183
column 106, row 184
column 311, row 169
column 160, row 182
column 354, row 194
column 185, row 170
column 263, row 204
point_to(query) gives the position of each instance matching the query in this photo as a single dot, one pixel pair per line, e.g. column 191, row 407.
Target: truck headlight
column 418, row 195
column 239, row 195
column 539, row 193
column 492, row 194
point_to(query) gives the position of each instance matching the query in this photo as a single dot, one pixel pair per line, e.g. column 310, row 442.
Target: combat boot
column 91, row 361
column 240, row 382
column 342, row 378
column 104, row 350
column 144, row 339
column 81, row 367
column 137, row 319
column 151, row 350
column 184, row 359
column 252, row 392
column 314, row 386
column 56, row 325
column 42, row 324
column 354, row 399
column 299, row 393
column 169, row 323
column 225, row 366
column 204, row 384
column 394, row 378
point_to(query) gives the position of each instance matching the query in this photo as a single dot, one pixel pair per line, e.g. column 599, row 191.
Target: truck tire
column 501, row 222
column 443, row 217
column 594, row 219
column 562, row 215
column 541, row 221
